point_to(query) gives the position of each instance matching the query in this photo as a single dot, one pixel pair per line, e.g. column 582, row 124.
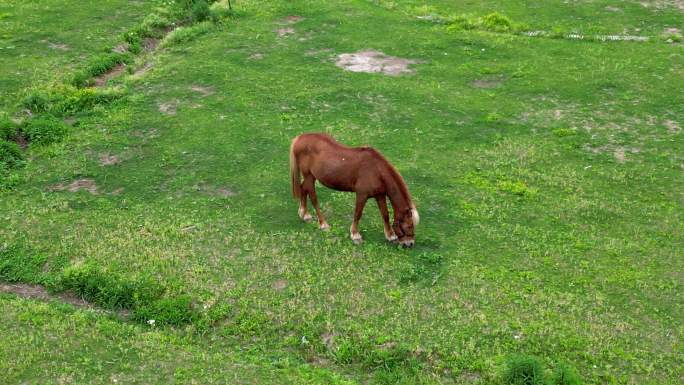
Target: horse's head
column 404, row 226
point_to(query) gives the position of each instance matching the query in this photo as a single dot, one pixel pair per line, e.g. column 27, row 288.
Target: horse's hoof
column 307, row 217
column 356, row 238
column 392, row 238
column 324, row 227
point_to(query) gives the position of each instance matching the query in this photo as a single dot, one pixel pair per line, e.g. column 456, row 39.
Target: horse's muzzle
column 408, row 243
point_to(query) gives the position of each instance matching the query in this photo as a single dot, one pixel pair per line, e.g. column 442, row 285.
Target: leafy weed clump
column 144, row 296
column 8, row 129
column 565, row 375
column 45, row 129
column 17, row 264
column 524, row 370
column 185, row 34
column 426, row 268
column 167, row 311
column 98, row 66
column 10, row 155
column 493, row 22
column 63, row 99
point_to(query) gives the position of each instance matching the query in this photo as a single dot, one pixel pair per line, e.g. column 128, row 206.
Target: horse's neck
column 396, row 194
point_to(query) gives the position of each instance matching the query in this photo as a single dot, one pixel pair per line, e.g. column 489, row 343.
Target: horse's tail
column 294, row 172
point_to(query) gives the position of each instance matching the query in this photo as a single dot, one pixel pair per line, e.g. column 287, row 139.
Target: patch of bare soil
column 77, row 185
column 114, row 72
column 672, row 126
column 21, row 140
column 223, row 192
column 117, row 191
column 490, row 81
column 293, row 19
column 121, row 48
column 612, row 9
column 142, row 70
column 61, row 47
column 283, row 32
column 468, row 377
column 168, row 108
column 38, row 292
column 371, row 61
column 619, row 152
column 149, row 44
column 279, row 284
column 663, row 4
column 329, row 340
column 316, row 52
column 205, row 91
column 109, row 160
column 256, row 56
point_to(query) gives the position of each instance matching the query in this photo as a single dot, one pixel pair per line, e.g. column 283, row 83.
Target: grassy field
column 547, row 171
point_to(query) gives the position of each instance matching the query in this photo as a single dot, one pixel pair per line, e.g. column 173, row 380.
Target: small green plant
column 45, row 129
column 565, row 375
column 200, row 11
column 563, row 132
column 517, row 187
column 424, row 268
column 10, row 155
column 494, row 22
column 523, row 370
column 166, row 311
column 8, row 129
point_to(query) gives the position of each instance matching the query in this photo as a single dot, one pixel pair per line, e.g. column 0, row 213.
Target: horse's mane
column 394, row 174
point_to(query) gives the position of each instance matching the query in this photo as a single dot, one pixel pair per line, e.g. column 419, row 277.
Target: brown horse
column 362, row 170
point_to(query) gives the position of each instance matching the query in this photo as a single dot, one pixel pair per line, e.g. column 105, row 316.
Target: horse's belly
column 335, row 175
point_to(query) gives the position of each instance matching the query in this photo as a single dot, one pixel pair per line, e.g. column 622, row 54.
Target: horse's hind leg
column 382, row 204
column 303, row 212
column 310, row 187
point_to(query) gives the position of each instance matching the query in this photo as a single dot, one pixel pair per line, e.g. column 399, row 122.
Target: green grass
column 550, row 201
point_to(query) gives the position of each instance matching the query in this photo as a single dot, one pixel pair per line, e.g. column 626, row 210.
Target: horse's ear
column 414, row 215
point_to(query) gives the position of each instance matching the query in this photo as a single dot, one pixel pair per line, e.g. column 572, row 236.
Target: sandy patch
column 109, row 160
column 168, row 108
column 279, row 284
column 256, row 56
column 490, row 81
column 371, row 61
column 114, row 72
column 205, row 91
column 672, row 126
column 284, row 32
column 77, row 185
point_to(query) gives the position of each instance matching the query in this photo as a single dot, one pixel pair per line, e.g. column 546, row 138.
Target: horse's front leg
column 382, row 204
column 358, row 211
column 310, row 183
